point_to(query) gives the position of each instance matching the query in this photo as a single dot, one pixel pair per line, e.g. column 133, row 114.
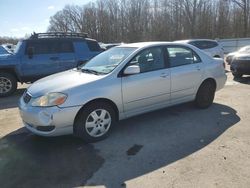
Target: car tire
column 8, row 84
column 205, row 95
column 94, row 122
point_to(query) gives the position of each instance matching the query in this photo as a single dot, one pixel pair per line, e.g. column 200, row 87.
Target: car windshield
column 107, row 61
column 17, row 47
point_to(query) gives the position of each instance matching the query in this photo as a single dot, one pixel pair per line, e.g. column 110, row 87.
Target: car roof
column 144, row 44
column 192, row 40
column 60, row 39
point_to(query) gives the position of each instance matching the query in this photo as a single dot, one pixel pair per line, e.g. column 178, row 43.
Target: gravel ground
column 179, row 146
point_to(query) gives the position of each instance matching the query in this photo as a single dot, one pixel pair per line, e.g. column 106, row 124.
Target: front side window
column 149, row 60
column 107, row 61
column 179, row 56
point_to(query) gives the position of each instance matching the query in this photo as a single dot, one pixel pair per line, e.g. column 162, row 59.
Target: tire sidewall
column 79, row 126
column 205, row 95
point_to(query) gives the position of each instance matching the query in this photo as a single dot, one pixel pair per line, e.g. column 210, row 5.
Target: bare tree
column 244, row 5
column 147, row 20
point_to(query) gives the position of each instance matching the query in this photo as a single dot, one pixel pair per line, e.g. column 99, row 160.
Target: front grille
column 26, row 97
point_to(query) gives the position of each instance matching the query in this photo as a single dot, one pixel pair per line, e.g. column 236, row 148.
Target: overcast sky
column 20, row 17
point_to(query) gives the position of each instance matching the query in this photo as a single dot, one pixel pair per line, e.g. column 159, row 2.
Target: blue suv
column 44, row 54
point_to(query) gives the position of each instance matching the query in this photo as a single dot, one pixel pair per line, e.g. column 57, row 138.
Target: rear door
column 186, row 72
column 43, row 62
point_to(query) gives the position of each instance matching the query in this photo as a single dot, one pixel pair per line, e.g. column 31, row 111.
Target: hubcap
column 98, row 123
column 5, row 85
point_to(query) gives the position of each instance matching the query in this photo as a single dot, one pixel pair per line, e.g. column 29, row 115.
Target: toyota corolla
column 124, row 81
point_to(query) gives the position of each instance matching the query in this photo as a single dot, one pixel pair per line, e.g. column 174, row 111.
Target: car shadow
column 27, row 160
column 137, row 146
column 243, row 80
column 11, row 101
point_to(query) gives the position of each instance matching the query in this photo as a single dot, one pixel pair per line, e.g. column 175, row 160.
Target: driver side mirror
column 132, row 69
column 30, row 52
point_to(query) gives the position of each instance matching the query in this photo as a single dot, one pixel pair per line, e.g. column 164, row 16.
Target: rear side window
column 93, row 46
column 179, row 56
column 42, row 47
column 50, row 46
column 204, row 44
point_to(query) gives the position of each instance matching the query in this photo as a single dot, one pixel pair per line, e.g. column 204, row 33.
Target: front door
column 149, row 89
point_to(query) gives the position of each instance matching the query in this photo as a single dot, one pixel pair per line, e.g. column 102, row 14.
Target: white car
column 124, row 81
column 211, row 47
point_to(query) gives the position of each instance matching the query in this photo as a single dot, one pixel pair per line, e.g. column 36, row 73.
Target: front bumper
column 48, row 121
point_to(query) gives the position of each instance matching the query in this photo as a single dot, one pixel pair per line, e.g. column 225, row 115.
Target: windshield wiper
column 91, row 71
column 114, row 65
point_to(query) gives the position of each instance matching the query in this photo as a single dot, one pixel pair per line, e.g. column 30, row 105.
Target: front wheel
column 8, row 84
column 205, row 95
column 94, row 122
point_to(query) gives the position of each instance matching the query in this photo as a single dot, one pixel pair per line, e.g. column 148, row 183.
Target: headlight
column 50, row 99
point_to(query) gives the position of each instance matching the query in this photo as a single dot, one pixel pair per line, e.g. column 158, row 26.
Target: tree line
column 152, row 20
column 5, row 40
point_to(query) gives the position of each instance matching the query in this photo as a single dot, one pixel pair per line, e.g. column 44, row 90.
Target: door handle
column 164, row 75
column 198, row 68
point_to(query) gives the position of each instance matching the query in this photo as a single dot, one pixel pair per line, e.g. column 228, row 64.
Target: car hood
column 61, row 82
column 5, row 56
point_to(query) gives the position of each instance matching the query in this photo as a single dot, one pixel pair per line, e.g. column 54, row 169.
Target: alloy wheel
column 98, row 122
column 5, row 85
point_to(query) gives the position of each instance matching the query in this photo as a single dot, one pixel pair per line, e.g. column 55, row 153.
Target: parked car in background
column 211, row 47
column 124, row 81
column 240, row 64
column 244, row 50
column 44, row 54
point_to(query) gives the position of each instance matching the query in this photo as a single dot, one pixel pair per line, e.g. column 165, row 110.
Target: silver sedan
column 124, row 81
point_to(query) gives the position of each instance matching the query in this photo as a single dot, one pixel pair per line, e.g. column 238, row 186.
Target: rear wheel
column 205, row 95
column 8, row 84
column 94, row 122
